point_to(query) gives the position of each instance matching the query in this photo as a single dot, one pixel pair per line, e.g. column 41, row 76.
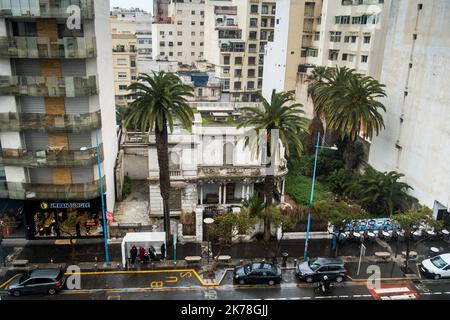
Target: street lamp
column 105, row 230
column 208, row 221
column 311, row 199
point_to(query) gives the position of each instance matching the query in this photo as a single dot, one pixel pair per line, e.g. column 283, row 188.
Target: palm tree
column 271, row 116
column 380, row 192
column 160, row 100
column 315, row 80
column 350, row 104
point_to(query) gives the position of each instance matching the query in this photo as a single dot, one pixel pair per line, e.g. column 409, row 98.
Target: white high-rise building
column 416, row 141
column 56, row 99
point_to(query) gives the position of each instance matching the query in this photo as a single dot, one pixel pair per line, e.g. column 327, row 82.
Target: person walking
column 163, row 251
column 141, row 254
column 133, row 254
column 151, row 253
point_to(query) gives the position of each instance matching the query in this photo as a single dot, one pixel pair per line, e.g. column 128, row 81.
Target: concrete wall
column 424, row 134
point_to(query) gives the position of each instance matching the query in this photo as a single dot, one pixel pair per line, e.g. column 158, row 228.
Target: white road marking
column 392, row 290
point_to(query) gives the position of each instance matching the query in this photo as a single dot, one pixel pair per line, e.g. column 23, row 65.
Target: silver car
column 47, row 281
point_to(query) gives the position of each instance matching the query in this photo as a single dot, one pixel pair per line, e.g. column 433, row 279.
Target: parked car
column 48, row 281
column 257, row 273
column 315, row 269
column 436, row 267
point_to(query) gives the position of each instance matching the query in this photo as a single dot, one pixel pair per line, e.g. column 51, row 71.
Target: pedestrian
column 151, row 253
column 163, row 251
column 146, row 257
column 133, row 254
column 141, row 254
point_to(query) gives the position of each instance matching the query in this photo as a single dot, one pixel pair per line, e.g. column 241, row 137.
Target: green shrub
column 298, row 187
column 126, row 190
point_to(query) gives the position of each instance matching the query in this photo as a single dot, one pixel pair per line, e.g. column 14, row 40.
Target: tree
column 338, row 214
column 380, row 193
column 315, row 80
column 410, row 220
column 226, row 226
column 275, row 116
column 160, row 100
column 69, row 228
column 350, row 104
column 339, row 180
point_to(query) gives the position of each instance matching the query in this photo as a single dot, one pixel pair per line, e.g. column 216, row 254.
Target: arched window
column 174, row 161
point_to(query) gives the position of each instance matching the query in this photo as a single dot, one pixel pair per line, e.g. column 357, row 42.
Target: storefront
column 12, row 218
column 64, row 219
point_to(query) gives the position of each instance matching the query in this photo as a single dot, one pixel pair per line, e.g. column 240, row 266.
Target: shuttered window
column 41, row 175
column 175, row 199
column 73, row 68
column 32, row 104
column 36, row 141
column 82, row 175
column 27, row 67
column 79, row 140
column 78, row 105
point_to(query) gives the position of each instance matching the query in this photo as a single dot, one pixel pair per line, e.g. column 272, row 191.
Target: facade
column 417, row 135
column 324, row 33
column 205, row 84
column 160, row 9
column 211, row 169
column 56, row 99
column 236, row 33
column 131, row 34
column 180, row 36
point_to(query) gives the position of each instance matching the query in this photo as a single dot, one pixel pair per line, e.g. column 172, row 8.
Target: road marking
column 5, row 283
column 392, row 290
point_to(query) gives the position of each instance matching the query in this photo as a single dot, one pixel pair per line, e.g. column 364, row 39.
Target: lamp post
column 208, row 221
column 311, row 199
column 105, row 227
column 2, row 261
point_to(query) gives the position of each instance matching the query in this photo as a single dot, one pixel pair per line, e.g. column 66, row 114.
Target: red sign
column 391, row 292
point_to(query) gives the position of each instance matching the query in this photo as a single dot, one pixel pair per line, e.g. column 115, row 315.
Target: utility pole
column 2, row 261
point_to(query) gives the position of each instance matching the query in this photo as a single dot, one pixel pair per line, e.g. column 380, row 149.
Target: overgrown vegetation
column 126, row 190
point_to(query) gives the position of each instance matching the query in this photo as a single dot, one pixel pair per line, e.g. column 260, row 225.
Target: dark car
column 315, row 269
column 47, row 281
column 257, row 273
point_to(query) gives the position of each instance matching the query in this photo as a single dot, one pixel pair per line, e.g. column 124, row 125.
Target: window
column 348, row 39
column 122, row 75
column 254, row 8
column 122, row 87
column 122, row 62
column 193, row 12
column 170, row 54
column 312, row 52
column 201, row 44
column 179, row 43
column 333, row 55
column 170, row 44
column 226, row 70
column 170, row 33
column 179, row 33
column 193, row 44
column 175, row 199
column 251, row 61
column 253, row 22
column 251, row 85
column 238, row 60
column 335, row 36
column 237, row 85
column 226, row 60
column 342, row 19
column 133, row 63
column 316, row 36
column 179, row 22
column 192, row 23
column 344, row 56
column 251, row 73
column 226, row 84
column 237, row 72
column 162, row 44
column 202, row 23
column 161, row 33
column 252, row 47
column 192, row 54
column 364, row 59
column 252, row 35
column 193, row 33
column 367, row 39
column 180, row 54
column 265, row 9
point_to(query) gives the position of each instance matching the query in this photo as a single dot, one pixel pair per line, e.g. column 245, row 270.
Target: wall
column 424, row 134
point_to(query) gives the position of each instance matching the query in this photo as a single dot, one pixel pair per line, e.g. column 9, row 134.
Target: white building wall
column 424, row 135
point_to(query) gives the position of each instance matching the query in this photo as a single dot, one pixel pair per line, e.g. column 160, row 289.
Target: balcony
column 79, row 191
column 50, row 122
column 50, row 158
column 45, row 8
column 50, row 48
column 40, row 86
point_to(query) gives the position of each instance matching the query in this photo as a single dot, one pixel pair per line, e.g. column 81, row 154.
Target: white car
column 437, row 267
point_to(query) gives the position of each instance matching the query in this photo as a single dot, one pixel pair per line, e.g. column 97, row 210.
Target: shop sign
column 67, row 205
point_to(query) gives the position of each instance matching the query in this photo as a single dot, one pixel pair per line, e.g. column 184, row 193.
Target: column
column 243, row 191
column 224, row 194
column 220, row 194
column 201, row 194
column 248, row 192
column 283, row 185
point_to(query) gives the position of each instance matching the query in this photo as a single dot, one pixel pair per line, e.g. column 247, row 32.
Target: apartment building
column 205, row 84
column 131, row 35
column 160, row 9
column 329, row 33
column 180, row 36
column 415, row 71
column 211, row 170
column 236, row 33
column 56, row 110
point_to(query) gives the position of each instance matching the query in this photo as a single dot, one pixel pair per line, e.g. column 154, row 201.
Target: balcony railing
column 79, row 191
column 40, row 86
column 50, row 158
column 52, row 48
column 45, row 8
column 50, row 122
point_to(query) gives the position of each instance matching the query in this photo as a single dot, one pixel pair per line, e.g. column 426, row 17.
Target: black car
column 315, row 269
column 37, row 281
column 257, row 273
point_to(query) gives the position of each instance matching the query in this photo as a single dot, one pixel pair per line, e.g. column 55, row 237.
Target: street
column 187, row 285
